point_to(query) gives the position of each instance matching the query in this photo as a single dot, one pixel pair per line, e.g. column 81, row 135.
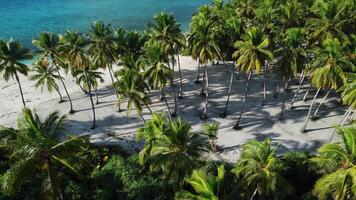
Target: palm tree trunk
column 224, row 113
column 204, row 116
column 165, row 99
column 237, row 125
column 309, row 112
column 284, row 97
column 149, row 109
column 264, row 86
column 173, row 74
column 71, row 111
column 143, row 119
column 202, row 93
column 59, row 93
column 180, row 79
column 93, row 108
column 80, row 86
column 174, row 114
column 113, row 82
column 20, row 88
column 342, row 122
column 253, row 194
column 197, row 80
column 297, row 92
column 306, row 93
column 277, row 92
column 96, row 95
column 321, row 103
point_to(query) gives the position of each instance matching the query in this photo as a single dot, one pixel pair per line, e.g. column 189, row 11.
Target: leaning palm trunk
column 59, row 93
column 253, row 194
column 306, row 93
column 93, row 108
column 309, row 112
column 174, row 114
column 197, row 79
column 224, row 113
column 96, row 95
column 180, row 79
column 65, row 89
column 113, row 82
column 237, row 125
column 143, row 119
column 165, row 99
column 20, row 88
column 284, row 97
column 297, row 92
column 342, row 122
column 204, row 116
column 320, row 104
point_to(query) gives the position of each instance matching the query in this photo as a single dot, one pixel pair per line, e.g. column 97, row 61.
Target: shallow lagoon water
column 24, row 19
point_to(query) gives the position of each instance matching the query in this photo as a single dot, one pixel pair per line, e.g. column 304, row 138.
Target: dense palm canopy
column 206, row 186
column 259, row 168
column 337, row 163
column 130, row 86
column 38, row 150
column 172, row 148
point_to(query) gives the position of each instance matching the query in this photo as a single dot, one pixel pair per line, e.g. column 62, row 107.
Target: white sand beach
column 119, row 128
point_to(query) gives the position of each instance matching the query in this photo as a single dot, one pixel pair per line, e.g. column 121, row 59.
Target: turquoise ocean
column 22, row 20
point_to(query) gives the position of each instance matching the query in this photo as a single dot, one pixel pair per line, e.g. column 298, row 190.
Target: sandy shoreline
column 119, row 128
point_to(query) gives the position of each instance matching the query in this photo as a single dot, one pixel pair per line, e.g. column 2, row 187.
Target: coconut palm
column 173, row 150
column 329, row 21
column 258, row 167
column 206, row 186
column 327, row 70
column 211, row 130
column 157, row 72
column 102, row 47
column 166, row 31
column 336, row 162
column 290, row 57
column 48, row 44
column 130, row 85
column 251, row 53
column 38, row 151
column 203, row 43
column 45, row 75
column 11, row 54
column 88, row 77
column 129, row 43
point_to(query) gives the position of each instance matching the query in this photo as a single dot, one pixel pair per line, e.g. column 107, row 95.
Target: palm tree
column 211, row 130
column 203, row 43
column 329, row 21
column 102, row 47
column 48, row 44
column 166, row 31
column 290, row 58
column 157, row 72
column 89, row 78
column 11, row 54
column 327, row 70
column 173, row 149
column 258, row 167
column 251, row 53
column 38, row 151
column 45, row 76
column 130, row 85
column 336, row 162
column 205, row 185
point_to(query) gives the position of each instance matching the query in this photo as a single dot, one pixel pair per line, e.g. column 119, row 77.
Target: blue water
column 24, row 19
